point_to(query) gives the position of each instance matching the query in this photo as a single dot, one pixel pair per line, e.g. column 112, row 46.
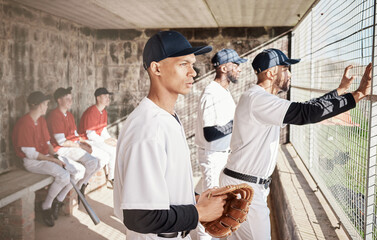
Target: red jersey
column 28, row 134
column 59, row 123
column 92, row 119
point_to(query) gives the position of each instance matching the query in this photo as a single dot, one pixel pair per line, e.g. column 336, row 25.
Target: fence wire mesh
column 339, row 152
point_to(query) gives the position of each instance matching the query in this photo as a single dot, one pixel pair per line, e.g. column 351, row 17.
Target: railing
column 339, row 153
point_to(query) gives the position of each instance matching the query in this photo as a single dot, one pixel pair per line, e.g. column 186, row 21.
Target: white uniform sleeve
column 30, row 152
column 60, row 138
column 93, row 136
column 105, row 134
column 209, row 113
column 142, row 168
column 269, row 109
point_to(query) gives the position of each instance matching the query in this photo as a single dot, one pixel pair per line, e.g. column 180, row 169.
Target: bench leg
column 17, row 219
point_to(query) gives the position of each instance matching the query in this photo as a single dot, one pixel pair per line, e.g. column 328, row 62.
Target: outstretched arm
column 330, row 104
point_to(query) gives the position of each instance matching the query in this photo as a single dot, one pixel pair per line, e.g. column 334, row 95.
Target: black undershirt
column 216, row 132
column 319, row 109
column 177, row 219
column 176, row 118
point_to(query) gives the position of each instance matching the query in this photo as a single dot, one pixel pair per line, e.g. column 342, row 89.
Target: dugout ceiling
column 140, row 14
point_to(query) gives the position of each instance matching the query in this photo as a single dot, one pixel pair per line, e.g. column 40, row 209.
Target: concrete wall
column 39, row 51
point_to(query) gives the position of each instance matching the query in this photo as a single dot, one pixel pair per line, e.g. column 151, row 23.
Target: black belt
column 248, row 178
column 173, row 235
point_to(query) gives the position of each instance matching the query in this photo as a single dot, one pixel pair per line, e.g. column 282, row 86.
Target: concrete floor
column 79, row 226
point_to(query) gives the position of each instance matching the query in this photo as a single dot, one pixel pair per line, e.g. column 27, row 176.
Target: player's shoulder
column 25, row 120
column 147, row 112
column 147, row 119
column 54, row 113
column 42, row 120
column 256, row 91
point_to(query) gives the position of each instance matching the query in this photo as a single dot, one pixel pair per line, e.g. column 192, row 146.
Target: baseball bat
column 88, row 208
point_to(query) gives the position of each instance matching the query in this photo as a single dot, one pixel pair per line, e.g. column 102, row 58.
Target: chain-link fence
column 340, row 153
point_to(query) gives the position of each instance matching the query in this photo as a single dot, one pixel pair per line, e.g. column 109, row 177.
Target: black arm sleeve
column 319, row 109
column 178, row 218
column 215, row 132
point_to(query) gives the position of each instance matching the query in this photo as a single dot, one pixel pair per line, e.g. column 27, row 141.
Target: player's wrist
column 199, row 209
column 358, row 95
column 341, row 90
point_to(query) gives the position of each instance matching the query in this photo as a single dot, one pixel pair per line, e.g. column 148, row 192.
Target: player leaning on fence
column 258, row 118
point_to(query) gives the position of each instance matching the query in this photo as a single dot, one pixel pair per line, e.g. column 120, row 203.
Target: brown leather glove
column 235, row 210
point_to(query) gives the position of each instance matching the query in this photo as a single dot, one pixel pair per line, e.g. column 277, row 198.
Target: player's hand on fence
column 346, row 80
column 365, row 84
column 209, row 207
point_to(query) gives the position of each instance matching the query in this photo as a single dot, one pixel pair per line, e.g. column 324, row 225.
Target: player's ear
column 270, row 73
column 223, row 68
column 155, row 68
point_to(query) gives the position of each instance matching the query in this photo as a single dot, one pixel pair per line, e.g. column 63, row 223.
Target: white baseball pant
column 79, row 155
column 106, row 154
column 257, row 225
column 211, row 165
column 61, row 185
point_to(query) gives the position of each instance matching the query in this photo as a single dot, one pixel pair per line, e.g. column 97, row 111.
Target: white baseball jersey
column 216, row 108
column 153, row 168
column 256, row 130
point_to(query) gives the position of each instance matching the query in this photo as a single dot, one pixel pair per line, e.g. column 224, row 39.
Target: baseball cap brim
column 240, row 60
column 291, row 61
column 194, row 50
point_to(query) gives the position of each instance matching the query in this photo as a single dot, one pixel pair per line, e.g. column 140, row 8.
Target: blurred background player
column 214, row 123
column 65, row 138
column 93, row 127
column 31, row 141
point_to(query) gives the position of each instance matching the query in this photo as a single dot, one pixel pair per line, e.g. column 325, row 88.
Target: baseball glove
column 235, row 210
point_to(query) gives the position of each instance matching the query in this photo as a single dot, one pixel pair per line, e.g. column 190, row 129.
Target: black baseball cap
column 270, row 58
column 169, row 44
column 61, row 92
column 37, row 97
column 100, row 91
column 225, row 56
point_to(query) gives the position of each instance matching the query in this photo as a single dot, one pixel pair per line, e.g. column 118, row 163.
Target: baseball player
column 65, row 138
column 153, row 185
column 258, row 118
column 93, row 128
column 214, row 123
column 31, row 141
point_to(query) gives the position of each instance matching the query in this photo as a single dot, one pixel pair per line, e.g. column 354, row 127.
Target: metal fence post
column 370, row 201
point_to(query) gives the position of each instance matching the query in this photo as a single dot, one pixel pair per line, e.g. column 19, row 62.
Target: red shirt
column 92, row 119
column 59, row 123
column 27, row 134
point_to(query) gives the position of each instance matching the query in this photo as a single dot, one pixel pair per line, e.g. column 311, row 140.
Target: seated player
column 93, row 127
column 64, row 136
column 31, row 141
